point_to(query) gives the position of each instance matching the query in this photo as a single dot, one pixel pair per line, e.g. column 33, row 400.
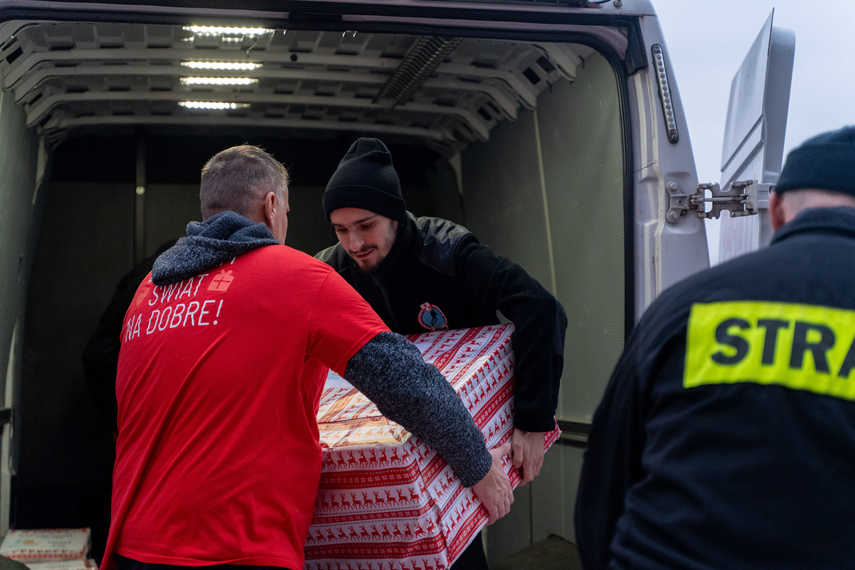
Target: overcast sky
column 707, row 41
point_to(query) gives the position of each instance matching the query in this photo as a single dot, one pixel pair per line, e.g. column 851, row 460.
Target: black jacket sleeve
column 101, row 354
column 540, row 324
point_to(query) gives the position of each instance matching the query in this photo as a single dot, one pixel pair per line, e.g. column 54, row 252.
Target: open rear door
column 754, row 134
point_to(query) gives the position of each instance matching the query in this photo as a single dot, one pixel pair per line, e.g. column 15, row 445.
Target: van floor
column 554, row 553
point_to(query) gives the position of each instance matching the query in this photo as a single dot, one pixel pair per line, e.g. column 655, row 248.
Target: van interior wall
column 86, row 245
column 19, row 177
column 547, row 191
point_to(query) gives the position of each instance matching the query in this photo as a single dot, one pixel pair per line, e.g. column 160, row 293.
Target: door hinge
column 743, row 198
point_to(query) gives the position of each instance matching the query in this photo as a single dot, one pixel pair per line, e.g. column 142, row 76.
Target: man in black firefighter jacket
column 429, row 274
column 726, row 437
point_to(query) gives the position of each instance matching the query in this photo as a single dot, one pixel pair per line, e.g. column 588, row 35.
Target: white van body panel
column 543, row 131
column 753, row 146
column 665, row 252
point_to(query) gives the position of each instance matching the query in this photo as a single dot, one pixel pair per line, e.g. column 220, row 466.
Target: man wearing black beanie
column 726, row 435
column 426, row 274
column 365, row 178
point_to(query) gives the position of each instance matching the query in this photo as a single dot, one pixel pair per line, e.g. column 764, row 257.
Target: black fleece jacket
column 440, row 263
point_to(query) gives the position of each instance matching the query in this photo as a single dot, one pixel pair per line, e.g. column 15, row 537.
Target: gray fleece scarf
column 209, row 244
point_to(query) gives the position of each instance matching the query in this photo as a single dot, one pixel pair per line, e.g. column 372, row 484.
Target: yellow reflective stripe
column 804, row 347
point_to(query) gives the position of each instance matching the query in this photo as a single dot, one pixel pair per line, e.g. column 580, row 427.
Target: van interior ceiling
column 521, row 141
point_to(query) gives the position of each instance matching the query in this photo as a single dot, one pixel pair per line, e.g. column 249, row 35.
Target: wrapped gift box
column 386, row 500
column 75, row 564
column 44, row 545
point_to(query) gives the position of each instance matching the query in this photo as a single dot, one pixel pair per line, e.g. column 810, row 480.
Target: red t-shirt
column 219, row 379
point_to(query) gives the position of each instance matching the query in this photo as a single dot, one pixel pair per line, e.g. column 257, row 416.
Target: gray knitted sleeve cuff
column 390, row 371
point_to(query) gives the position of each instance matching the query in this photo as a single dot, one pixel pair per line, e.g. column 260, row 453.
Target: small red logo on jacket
column 432, row 318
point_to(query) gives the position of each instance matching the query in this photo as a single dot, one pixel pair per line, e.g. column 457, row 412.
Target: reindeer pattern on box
column 386, row 500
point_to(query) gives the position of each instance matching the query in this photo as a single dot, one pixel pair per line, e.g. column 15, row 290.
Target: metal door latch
column 743, row 198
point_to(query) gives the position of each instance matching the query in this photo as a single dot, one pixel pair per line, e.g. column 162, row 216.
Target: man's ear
column 776, row 210
column 270, row 204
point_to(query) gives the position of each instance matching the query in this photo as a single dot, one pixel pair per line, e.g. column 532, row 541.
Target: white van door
column 754, row 135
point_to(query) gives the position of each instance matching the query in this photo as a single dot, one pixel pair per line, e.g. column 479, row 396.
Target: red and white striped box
column 386, row 500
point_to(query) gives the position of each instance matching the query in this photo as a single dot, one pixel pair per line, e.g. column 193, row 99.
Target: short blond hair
column 239, row 178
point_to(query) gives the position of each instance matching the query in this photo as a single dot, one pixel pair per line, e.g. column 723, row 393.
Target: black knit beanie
column 824, row 162
column 365, row 178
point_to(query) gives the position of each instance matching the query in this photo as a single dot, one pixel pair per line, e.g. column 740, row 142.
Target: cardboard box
column 45, row 545
column 387, row 501
column 75, row 564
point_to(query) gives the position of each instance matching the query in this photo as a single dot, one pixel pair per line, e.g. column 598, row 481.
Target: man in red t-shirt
column 225, row 349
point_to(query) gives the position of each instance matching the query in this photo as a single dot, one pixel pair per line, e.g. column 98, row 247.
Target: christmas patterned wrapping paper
column 386, row 500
